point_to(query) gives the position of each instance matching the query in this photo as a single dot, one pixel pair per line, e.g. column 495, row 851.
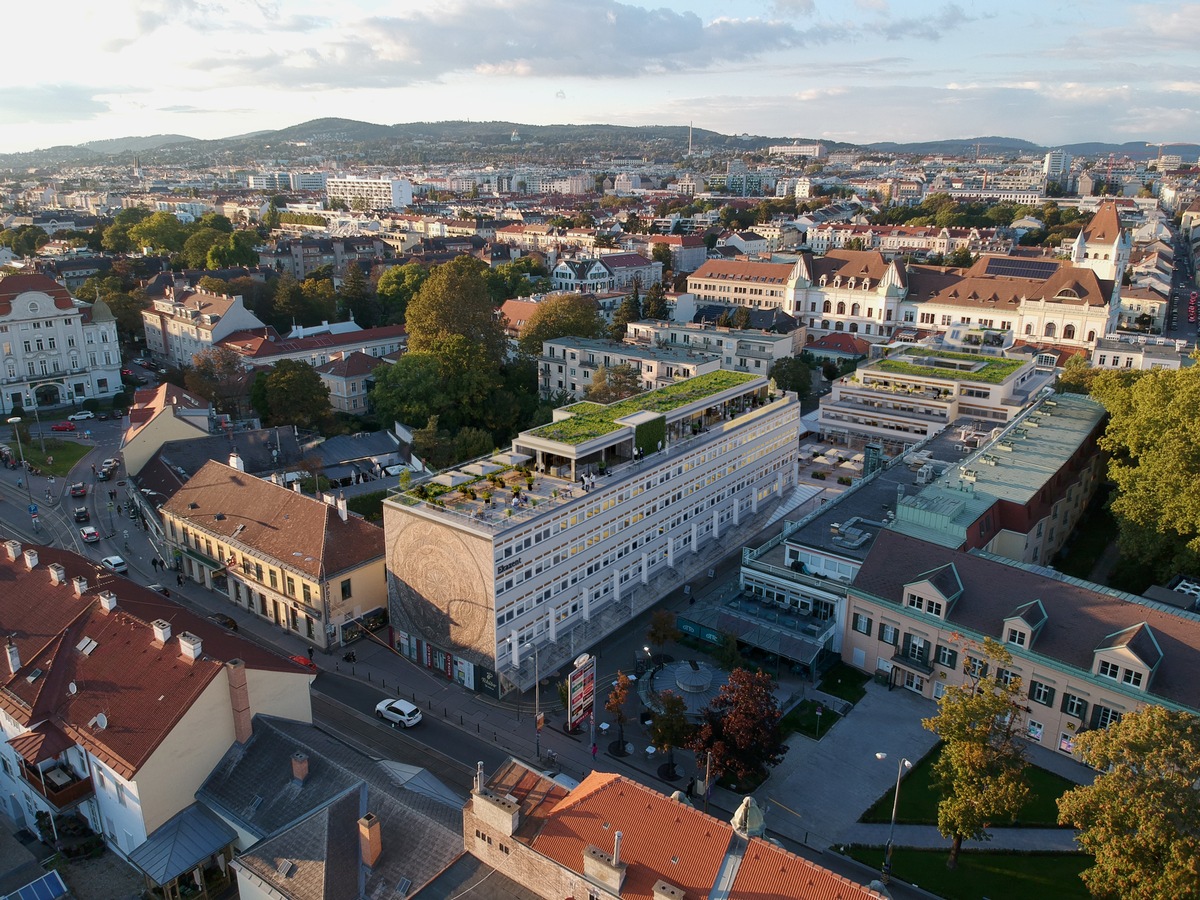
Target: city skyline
column 859, row 72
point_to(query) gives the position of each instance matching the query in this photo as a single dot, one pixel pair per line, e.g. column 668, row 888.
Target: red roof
column 12, row 286
column 770, row 871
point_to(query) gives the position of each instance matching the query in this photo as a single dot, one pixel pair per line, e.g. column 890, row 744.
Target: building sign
column 581, row 687
column 486, row 681
column 508, row 566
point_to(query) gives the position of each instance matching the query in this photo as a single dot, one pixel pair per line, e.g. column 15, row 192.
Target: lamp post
column 32, row 397
column 887, row 859
column 537, row 704
column 16, row 421
column 649, row 659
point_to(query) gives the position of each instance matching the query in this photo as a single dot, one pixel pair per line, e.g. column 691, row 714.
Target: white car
column 109, row 464
column 79, row 416
column 89, row 534
column 398, row 712
column 115, row 564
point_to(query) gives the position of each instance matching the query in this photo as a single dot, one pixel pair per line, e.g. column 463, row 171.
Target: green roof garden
column 589, row 421
column 959, row 366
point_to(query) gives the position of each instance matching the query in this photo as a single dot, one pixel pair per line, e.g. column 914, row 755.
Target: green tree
column 1077, row 375
column 662, row 254
column 741, row 727
column 356, row 299
column 1153, row 419
column 1140, row 817
column 434, row 445
column 613, row 383
column 161, row 231
column 655, row 305
column 454, row 300
column 258, row 396
column 236, row 249
column 560, row 315
column 615, row 706
column 961, row 258
column 319, row 302
column 670, row 727
column 216, row 374
column 662, row 630
column 741, row 318
column 410, row 390
column 295, row 395
column 630, row 310
column 471, row 443
column 196, row 247
column 793, row 374
column 981, row 770
column 396, row 287
column 217, row 222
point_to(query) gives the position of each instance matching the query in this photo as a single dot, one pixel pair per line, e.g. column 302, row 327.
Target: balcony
column 60, row 786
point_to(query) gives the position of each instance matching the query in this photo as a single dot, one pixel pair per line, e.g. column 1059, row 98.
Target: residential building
column 808, row 151
column 590, row 276
column 1056, row 164
column 612, row 837
column 184, row 323
column 57, row 349
column 630, row 269
column 118, row 702
column 349, row 379
column 303, row 256
column 741, row 350
column 1085, row 654
column 1140, row 353
column 743, row 283
column 477, row 591
column 161, row 414
column 264, row 347
column 306, row 565
column 915, row 392
column 688, row 251
column 370, row 193
column 307, row 181
column 568, row 365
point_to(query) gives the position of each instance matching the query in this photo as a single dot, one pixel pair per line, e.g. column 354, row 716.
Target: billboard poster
column 582, row 690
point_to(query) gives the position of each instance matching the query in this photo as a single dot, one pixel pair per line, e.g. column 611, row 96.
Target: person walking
column 179, row 579
column 595, row 750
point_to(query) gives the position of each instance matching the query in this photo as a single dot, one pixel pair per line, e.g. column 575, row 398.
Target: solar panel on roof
column 1020, row 268
column 49, row 887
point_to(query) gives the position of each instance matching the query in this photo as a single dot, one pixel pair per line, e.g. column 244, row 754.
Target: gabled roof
column 840, row 342
column 733, row 270
column 944, row 579
column 1105, row 227
column 13, row 286
column 850, row 264
column 184, row 841
column 353, row 365
column 1032, row 614
column 301, row 532
column 770, row 871
column 1138, row 639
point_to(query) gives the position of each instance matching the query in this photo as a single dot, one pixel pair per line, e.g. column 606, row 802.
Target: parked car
column 128, row 372
column 80, row 416
column 115, row 564
column 79, row 489
column 141, row 361
column 159, row 589
column 225, row 621
column 398, row 712
column 63, row 426
column 89, row 534
column 103, row 417
column 82, row 514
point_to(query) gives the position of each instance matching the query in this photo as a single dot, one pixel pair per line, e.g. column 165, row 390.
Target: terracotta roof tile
column 770, row 871
column 734, row 270
column 353, row 365
column 12, row 286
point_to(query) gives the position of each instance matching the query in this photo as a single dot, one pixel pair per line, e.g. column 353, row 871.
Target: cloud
column 50, row 104
column 933, row 27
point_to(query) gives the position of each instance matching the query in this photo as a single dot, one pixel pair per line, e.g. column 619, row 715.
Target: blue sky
column 1054, row 71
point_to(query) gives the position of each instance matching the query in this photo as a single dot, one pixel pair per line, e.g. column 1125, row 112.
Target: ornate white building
column 56, row 349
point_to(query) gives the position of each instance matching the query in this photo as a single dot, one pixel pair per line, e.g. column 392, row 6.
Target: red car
column 63, row 426
column 79, row 489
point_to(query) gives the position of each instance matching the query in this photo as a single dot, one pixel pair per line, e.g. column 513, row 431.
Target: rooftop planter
column 991, row 370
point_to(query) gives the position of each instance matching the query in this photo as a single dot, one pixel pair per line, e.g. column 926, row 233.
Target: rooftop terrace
column 923, row 362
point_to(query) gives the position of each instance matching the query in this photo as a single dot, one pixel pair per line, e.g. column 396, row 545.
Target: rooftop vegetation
column 589, row 421
column 992, row 370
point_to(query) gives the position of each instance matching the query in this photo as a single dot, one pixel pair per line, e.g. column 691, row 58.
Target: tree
column 741, row 727
column 1140, row 817
column 161, row 231
column 1077, row 375
column 616, row 705
column 560, row 315
column 454, row 300
column 613, row 383
column 661, row 254
column 217, row 375
column 961, row 258
column 662, row 629
column 793, row 374
column 295, row 395
column 630, row 310
column 236, row 249
column 670, row 727
column 655, row 305
column 1153, row 419
column 981, row 769
column 356, row 299
column 396, row 287
column 741, row 318
column 410, row 390
column 196, row 247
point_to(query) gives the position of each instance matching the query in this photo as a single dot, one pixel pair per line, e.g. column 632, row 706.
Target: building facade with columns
column 614, row 507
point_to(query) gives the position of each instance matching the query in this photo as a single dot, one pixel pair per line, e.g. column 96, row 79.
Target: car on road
column 79, row 489
column 115, row 564
column 224, row 621
column 103, row 417
column 109, row 463
column 140, row 361
column 128, row 372
column 104, row 475
column 159, row 589
column 82, row 514
column 89, row 534
column 399, row 712
column 305, row 662
column 80, row 416
column 63, row 426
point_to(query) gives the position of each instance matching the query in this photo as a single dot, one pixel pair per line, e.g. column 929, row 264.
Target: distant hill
column 117, row 146
column 959, row 147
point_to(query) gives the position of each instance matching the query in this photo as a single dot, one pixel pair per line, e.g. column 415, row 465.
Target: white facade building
column 373, row 193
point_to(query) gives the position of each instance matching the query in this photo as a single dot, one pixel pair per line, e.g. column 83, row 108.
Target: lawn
column 919, row 798
column 996, row 875
column 803, row 719
column 65, row 454
column 845, row 682
column 369, row 506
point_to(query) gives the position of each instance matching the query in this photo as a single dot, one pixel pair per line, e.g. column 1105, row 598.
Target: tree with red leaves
column 741, row 727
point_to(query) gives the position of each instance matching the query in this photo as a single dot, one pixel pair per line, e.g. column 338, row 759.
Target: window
column 1074, row 706
column 1041, row 693
column 976, row 668
column 1132, row 678
column 1016, row 637
column 1108, row 669
column 862, row 624
column 889, row 634
column 914, row 682
column 289, row 585
column 1005, row 676
column 947, row 657
column 1035, row 730
column 346, row 589
column 1102, row 716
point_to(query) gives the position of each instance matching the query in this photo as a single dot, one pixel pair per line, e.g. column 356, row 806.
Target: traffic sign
column 33, row 509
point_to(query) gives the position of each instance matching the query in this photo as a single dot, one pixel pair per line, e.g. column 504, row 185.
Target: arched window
column 1069, row 333
column 850, row 284
column 823, row 280
column 827, row 308
column 825, row 324
column 1050, row 329
column 855, row 309
column 840, row 326
column 1029, row 328
column 1091, row 337
column 854, row 328
column 841, row 308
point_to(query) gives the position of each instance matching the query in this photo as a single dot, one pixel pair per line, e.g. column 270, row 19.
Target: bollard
column 368, row 675
column 460, row 719
column 445, row 713
column 477, row 731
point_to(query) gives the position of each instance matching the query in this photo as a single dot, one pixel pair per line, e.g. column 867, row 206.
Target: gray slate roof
column 162, row 472
column 181, row 843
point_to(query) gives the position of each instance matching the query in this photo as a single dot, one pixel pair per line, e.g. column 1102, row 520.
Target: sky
column 1048, row 71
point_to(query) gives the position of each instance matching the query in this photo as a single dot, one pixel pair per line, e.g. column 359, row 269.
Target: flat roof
column 927, row 363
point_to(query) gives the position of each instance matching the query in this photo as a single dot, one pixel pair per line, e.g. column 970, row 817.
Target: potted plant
column 487, row 498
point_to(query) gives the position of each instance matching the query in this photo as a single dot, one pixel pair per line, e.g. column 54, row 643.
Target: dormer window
column 1016, row 637
column 1108, row 669
column 921, row 604
column 1132, row 678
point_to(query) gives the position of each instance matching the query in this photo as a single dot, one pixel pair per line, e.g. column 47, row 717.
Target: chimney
column 299, row 767
column 58, row 574
column 108, row 601
column 13, row 548
column 31, row 558
column 239, row 700
column 602, row 868
column 79, row 583
column 616, row 857
column 369, row 840
column 190, row 646
column 235, row 462
column 162, row 632
column 664, row 890
column 14, row 657
column 296, row 486
column 341, row 506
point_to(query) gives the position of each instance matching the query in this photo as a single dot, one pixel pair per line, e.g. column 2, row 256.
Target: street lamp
column 32, row 397
column 15, row 421
column 887, row 859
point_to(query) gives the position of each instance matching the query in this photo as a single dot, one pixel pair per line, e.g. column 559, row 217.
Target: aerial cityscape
column 756, row 461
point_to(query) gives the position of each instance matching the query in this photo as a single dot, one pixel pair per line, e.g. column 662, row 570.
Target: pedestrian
column 310, row 652
column 93, row 470
column 595, row 750
column 691, row 787
column 179, row 580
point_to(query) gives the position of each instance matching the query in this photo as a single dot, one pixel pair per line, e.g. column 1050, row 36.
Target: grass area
column 919, row 798
column 65, row 454
column 996, row 875
column 369, row 506
column 1096, row 530
column 803, row 719
column 845, row 682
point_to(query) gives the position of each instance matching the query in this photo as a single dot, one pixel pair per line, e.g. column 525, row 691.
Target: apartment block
column 370, row 193
column 488, row 584
column 568, row 365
